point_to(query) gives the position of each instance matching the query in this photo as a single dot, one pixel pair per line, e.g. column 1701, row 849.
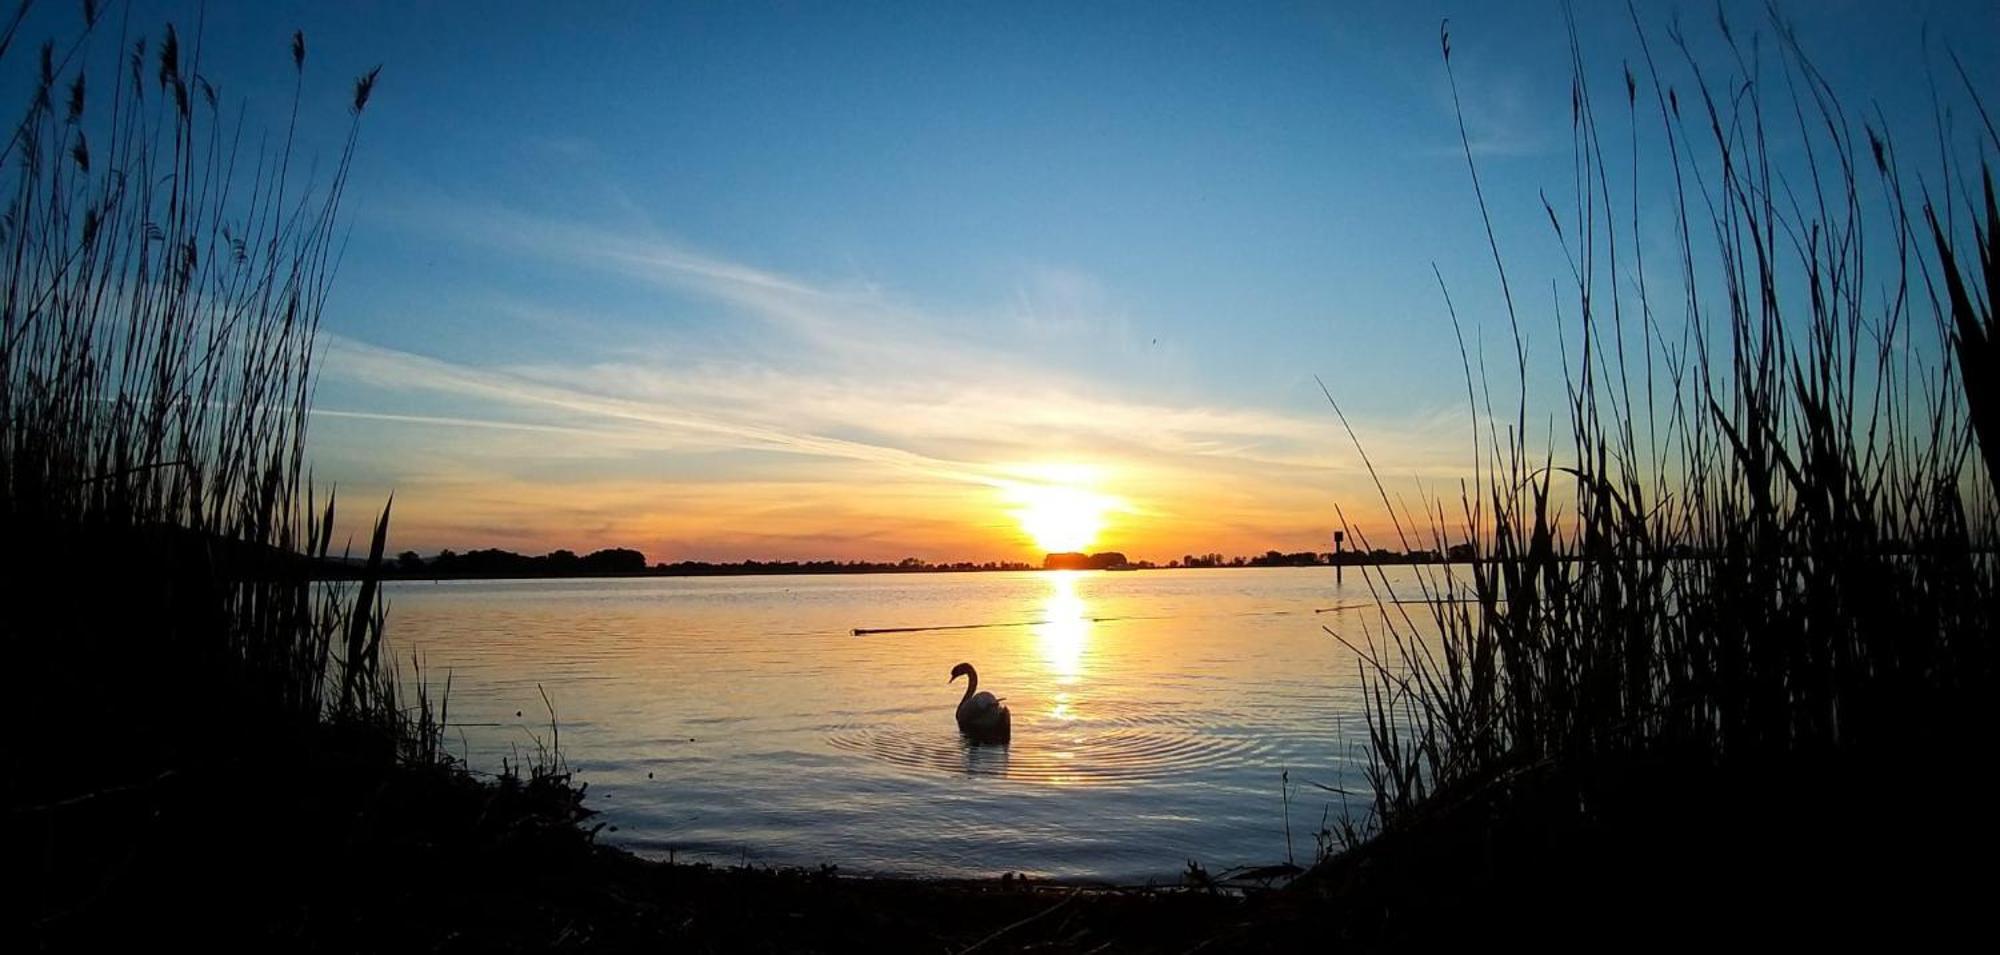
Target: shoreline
column 429, row 578
column 512, row 864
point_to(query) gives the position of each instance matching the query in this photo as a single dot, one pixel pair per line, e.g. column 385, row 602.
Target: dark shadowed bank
column 328, row 854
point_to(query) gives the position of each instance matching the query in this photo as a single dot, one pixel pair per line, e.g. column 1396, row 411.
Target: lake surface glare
column 742, row 720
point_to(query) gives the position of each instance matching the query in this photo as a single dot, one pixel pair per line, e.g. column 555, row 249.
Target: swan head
column 958, row 671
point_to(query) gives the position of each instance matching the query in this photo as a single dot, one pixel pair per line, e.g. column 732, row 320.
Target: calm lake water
column 742, row 719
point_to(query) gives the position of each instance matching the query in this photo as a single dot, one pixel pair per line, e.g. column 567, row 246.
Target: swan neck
column 971, row 683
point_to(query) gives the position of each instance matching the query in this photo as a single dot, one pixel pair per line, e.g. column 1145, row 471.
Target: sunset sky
column 805, row 280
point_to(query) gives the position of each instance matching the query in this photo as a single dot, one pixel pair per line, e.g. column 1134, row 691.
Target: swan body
column 981, row 717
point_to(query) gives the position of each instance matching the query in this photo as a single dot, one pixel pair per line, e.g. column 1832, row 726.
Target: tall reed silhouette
column 165, row 269
column 1765, row 546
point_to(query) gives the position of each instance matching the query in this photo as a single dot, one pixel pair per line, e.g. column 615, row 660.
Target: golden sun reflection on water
column 1065, row 634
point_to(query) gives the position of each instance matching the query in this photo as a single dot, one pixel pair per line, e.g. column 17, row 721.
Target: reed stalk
column 1769, row 532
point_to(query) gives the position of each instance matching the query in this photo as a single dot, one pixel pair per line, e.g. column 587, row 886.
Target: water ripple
column 1116, row 745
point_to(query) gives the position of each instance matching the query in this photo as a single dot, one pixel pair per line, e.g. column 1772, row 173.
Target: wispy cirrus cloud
column 854, row 391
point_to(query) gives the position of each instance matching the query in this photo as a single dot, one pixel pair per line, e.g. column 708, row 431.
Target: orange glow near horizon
column 1003, row 511
column 1058, row 510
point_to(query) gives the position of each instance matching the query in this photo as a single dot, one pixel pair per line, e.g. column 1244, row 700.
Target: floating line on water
column 1393, row 603
column 865, row 631
column 1340, row 607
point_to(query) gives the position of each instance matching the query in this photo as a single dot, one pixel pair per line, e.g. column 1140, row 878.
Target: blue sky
column 855, row 280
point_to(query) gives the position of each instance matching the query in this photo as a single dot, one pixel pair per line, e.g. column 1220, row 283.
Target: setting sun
column 1059, row 517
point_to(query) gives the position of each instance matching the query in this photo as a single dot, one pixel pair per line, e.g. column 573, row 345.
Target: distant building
column 1072, row 560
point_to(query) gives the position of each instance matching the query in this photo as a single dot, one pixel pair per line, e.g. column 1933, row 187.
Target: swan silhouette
column 980, row 716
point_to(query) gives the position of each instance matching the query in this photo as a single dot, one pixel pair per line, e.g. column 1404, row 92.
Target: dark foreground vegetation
column 1590, row 738
column 1787, row 730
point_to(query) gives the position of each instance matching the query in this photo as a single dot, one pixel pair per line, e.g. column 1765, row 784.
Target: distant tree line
column 1306, row 558
column 626, row 562
column 699, row 568
column 494, row 562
